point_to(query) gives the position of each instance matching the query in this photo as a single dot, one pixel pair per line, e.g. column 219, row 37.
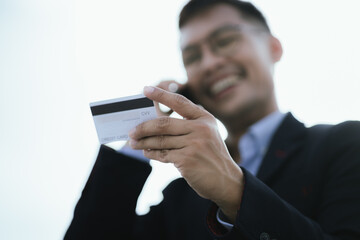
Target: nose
column 210, row 61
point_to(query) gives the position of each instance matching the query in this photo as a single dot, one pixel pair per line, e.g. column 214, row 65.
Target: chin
column 238, row 113
column 226, row 114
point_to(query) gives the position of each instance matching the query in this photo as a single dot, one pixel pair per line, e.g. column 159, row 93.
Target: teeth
column 223, row 84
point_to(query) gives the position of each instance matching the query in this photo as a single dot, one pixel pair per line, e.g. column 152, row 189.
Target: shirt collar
column 254, row 143
column 264, row 129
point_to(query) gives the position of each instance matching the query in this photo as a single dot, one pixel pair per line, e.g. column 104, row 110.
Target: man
column 307, row 179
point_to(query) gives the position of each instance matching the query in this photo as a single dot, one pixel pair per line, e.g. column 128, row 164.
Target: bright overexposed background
column 57, row 56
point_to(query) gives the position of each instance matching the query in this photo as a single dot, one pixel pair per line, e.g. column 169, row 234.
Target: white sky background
column 57, row 56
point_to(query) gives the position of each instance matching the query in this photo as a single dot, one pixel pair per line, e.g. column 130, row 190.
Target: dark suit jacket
column 308, row 187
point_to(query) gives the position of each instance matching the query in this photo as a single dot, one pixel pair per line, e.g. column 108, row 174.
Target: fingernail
column 173, row 87
column 148, row 89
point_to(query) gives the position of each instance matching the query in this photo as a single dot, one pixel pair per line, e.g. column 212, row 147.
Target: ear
column 276, row 49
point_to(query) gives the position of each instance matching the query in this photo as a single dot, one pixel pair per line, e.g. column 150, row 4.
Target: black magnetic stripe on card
column 121, row 106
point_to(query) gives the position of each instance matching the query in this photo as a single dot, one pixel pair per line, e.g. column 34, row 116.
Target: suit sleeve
column 265, row 215
column 106, row 208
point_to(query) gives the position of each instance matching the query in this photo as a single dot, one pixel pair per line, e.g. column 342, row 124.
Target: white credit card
column 114, row 118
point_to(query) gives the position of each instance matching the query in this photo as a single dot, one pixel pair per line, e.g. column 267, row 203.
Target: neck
column 240, row 125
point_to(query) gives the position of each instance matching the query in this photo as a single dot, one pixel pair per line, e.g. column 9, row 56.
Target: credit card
column 114, row 118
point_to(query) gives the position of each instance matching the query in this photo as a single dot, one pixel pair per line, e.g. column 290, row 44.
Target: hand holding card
column 114, row 118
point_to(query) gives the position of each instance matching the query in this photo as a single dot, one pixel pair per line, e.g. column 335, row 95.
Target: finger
column 164, row 155
column 160, row 126
column 177, row 102
column 159, row 142
column 169, row 85
column 173, row 87
column 160, row 155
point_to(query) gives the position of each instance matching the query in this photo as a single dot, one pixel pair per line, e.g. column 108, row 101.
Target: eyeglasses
column 224, row 41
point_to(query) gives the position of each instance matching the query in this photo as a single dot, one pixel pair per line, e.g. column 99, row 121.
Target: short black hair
column 246, row 9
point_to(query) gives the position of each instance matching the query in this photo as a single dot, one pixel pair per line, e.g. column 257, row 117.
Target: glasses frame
column 209, row 41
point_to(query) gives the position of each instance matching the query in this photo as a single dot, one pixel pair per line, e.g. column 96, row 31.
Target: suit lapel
column 285, row 142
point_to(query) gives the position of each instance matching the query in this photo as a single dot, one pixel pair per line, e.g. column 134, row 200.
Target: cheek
column 258, row 53
column 260, row 70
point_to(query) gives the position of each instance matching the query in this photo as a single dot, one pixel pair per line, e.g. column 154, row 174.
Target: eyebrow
column 211, row 35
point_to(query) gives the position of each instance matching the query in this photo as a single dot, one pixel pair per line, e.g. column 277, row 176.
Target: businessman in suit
column 271, row 179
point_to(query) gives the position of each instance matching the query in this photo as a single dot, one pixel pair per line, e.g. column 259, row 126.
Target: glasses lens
column 223, row 42
column 226, row 43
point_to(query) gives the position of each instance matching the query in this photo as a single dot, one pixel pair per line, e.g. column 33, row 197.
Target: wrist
column 229, row 204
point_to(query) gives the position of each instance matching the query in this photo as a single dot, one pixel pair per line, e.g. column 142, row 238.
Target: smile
column 224, row 84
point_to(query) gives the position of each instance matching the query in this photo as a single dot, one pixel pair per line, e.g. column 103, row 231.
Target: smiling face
column 229, row 62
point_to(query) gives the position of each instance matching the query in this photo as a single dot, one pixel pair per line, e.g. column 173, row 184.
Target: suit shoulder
column 335, row 140
column 342, row 139
column 349, row 130
column 348, row 126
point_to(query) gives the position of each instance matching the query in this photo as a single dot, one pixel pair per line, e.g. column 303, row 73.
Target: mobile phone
column 186, row 92
column 183, row 90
